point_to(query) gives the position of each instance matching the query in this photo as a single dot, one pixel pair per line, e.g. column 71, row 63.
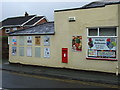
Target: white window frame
column 7, row 31
column 100, row 37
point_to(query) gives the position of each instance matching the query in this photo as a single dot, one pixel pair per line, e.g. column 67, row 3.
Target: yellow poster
column 37, row 40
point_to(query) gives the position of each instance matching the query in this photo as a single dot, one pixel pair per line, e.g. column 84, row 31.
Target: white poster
column 29, row 51
column 46, row 52
column 46, row 40
column 29, row 40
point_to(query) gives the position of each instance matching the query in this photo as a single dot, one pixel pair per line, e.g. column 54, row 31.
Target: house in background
column 16, row 23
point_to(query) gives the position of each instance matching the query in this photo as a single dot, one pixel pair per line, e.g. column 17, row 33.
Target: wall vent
column 71, row 19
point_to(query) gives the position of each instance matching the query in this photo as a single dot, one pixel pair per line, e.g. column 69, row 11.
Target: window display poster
column 14, row 40
column 102, row 43
column 77, row 43
column 46, row 52
column 29, row 40
column 46, row 40
column 37, row 40
column 14, row 50
column 29, row 51
column 102, row 47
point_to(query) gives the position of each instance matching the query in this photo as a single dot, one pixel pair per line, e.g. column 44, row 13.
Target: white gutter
column 28, row 21
column 38, row 21
column 9, row 26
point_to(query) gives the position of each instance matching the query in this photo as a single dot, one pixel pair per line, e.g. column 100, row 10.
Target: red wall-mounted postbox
column 64, row 55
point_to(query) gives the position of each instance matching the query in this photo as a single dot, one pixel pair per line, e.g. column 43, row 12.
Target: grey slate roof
column 41, row 29
column 95, row 4
column 101, row 3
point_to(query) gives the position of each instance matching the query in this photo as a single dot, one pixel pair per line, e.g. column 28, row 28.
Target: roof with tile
column 41, row 29
column 33, row 21
column 16, row 20
column 95, row 4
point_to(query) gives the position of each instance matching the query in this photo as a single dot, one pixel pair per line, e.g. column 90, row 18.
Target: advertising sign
column 77, row 43
column 102, row 47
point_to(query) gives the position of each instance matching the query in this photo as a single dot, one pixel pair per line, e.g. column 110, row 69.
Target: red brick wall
column 42, row 21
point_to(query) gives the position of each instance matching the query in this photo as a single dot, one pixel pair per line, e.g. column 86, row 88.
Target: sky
column 14, row 8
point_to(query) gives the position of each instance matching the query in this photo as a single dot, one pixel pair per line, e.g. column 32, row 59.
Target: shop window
column 103, row 45
column 21, row 51
column 21, row 40
column 37, row 52
column 29, row 51
column 29, row 40
column 37, row 40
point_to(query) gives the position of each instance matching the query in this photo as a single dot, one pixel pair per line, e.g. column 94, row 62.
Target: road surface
column 20, row 80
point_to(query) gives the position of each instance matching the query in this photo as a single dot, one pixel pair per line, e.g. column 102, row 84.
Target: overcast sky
column 14, row 8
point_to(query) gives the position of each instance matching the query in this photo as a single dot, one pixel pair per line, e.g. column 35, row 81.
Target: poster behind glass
column 14, row 40
column 46, row 52
column 102, row 47
column 29, row 40
column 14, row 51
column 37, row 40
column 46, row 40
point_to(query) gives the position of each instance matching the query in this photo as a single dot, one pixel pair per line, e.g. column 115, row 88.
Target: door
column 64, row 55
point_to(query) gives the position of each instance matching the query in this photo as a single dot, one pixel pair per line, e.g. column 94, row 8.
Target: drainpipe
column 117, row 71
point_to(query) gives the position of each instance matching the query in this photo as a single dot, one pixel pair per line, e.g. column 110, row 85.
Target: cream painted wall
column 95, row 17
column 64, row 30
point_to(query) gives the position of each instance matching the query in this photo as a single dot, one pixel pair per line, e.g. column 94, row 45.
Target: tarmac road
column 20, row 80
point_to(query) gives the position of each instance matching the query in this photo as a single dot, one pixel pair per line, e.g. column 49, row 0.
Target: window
column 93, row 32
column 14, row 29
column 21, row 51
column 21, row 40
column 102, row 43
column 107, row 31
column 37, row 51
column 7, row 30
